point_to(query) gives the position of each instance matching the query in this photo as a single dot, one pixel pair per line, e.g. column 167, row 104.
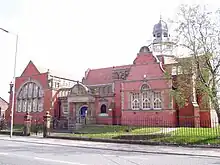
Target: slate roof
column 102, row 75
column 54, row 72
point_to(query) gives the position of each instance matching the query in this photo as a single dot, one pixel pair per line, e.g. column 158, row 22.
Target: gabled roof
column 52, row 72
column 30, row 69
column 144, row 63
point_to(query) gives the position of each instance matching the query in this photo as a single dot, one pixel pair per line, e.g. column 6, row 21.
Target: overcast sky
column 74, row 35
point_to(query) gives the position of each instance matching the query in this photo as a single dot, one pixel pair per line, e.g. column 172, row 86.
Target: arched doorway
column 103, row 108
column 83, row 111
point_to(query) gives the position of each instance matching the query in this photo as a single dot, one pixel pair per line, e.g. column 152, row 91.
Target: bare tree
column 198, row 32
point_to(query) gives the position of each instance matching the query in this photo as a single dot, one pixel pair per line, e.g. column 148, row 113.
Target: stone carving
column 120, row 74
column 115, row 76
column 103, row 100
column 78, row 90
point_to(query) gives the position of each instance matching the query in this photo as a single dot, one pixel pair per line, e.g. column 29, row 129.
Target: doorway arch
column 103, row 108
column 83, row 111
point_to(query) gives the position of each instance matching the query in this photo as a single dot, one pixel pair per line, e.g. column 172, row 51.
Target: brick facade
column 113, row 92
column 134, row 94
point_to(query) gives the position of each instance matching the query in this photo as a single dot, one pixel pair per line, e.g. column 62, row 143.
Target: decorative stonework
column 58, row 83
column 101, row 90
column 120, row 74
column 103, row 100
column 78, row 89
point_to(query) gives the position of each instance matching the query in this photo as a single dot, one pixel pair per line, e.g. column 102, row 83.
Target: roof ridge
column 4, row 100
column 54, row 72
column 118, row 66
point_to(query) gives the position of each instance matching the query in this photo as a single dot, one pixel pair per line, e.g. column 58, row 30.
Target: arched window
column 103, row 108
column 30, row 98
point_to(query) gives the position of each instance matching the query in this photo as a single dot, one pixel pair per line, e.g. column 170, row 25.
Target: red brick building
column 133, row 94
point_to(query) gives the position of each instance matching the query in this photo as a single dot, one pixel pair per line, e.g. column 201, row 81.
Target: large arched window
column 30, row 98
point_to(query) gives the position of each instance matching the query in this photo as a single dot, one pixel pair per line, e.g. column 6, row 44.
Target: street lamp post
column 14, row 75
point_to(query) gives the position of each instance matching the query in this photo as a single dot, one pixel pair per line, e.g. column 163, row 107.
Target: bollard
column 27, row 124
column 46, row 125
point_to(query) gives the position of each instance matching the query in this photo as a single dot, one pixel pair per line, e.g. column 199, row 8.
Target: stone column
column 46, row 125
column 27, row 124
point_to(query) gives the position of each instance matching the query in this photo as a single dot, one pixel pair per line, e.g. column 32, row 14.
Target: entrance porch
column 81, row 111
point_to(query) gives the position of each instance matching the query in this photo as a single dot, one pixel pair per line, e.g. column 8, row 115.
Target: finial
column 160, row 16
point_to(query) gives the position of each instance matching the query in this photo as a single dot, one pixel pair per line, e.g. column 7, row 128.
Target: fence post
column 27, row 124
column 46, row 124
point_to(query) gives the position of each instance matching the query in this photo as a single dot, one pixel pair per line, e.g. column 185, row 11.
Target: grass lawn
column 18, row 127
column 21, row 127
column 15, row 127
column 192, row 136
column 111, row 131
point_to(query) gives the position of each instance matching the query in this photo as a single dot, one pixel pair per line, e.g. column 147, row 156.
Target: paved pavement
column 35, row 151
column 117, row 147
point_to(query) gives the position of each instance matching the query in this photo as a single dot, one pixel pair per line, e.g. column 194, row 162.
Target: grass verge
column 192, row 136
column 110, row 131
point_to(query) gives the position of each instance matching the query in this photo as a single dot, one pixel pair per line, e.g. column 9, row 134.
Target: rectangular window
column 19, row 105
column 24, row 106
column 35, row 105
column 65, row 107
column 29, row 106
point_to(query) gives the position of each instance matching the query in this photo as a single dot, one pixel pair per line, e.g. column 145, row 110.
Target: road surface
column 25, row 153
